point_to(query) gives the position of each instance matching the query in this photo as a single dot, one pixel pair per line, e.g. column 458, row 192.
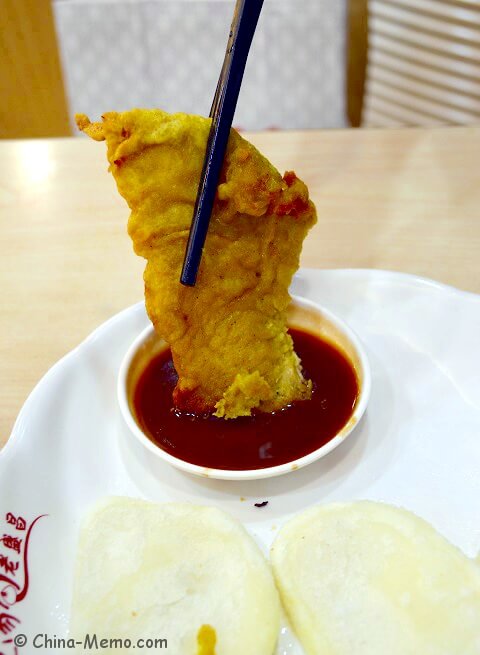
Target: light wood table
column 406, row 200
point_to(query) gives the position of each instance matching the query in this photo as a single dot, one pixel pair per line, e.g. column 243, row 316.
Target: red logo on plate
column 14, row 580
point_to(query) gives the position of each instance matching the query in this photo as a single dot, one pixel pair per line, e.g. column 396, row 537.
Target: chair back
column 33, row 102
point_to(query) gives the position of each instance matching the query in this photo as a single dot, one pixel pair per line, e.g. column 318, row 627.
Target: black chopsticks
column 244, row 22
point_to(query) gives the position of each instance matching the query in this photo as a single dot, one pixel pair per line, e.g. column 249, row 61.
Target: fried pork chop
column 228, row 334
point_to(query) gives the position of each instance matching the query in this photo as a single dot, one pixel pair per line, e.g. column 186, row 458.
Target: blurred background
column 313, row 63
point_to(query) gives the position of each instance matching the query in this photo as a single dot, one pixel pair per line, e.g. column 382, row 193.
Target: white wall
column 119, row 54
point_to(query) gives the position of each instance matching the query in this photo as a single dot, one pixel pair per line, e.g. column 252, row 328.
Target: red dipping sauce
column 258, row 441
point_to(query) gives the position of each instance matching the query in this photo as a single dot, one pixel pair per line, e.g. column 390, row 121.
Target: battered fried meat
column 227, row 334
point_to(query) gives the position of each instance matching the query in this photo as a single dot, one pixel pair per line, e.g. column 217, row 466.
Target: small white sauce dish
column 303, row 314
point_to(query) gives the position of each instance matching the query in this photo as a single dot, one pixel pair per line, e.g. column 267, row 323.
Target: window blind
column 423, row 63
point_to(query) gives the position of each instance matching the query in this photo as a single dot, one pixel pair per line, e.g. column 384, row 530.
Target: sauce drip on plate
column 258, row 441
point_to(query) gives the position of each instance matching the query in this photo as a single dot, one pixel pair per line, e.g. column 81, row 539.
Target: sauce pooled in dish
column 257, row 441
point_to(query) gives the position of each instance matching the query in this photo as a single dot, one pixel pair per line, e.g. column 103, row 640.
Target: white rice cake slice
column 164, row 571
column 369, row 579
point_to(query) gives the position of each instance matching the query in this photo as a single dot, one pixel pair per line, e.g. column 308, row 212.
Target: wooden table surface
column 406, row 200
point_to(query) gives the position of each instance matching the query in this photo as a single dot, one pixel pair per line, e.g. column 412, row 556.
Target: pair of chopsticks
column 244, row 22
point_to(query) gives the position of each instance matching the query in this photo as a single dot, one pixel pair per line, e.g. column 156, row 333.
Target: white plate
column 418, row 445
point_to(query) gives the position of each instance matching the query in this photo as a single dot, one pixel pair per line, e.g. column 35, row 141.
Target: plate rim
column 411, row 278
